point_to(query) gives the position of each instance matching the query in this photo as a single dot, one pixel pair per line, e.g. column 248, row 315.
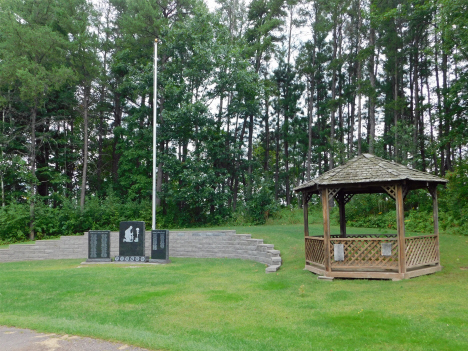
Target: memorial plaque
column 387, row 249
column 338, row 250
column 99, row 246
column 160, row 246
column 132, row 239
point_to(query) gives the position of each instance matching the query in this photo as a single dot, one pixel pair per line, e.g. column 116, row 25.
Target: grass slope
column 226, row 304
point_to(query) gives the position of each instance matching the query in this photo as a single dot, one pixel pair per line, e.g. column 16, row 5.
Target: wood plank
column 315, row 264
column 357, row 267
column 341, row 207
column 315, row 270
column 423, row 264
column 419, row 272
column 365, row 275
column 364, row 239
column 315, row 238
column 305, row 206
column 401, row 228
column 326, row 228
column 421, row 236
column 373, row 275
column 435, row 216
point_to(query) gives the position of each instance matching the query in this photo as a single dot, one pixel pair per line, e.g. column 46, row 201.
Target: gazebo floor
column 374, row 273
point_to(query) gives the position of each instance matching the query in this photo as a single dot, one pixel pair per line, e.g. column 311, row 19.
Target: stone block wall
column 206, row 244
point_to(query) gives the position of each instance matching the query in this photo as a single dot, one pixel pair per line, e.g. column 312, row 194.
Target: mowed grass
column 227, row 304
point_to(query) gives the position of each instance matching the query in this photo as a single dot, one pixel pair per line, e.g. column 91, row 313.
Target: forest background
column 247, row 108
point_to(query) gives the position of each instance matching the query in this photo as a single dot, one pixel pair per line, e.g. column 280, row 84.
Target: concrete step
column 244, row 236
column 265, row 247
column 276, row 261
column 211, row 239
column 181, row 252
column 257, row 241
column 272, row 269
column 274, row 253
column 221, row 246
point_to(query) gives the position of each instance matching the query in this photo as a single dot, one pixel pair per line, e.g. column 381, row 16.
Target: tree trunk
column 267, row 134
column 416, row 111
column 340, row 94
column 309, row 126
column 448, row 163
column 421, row 130
column 439, row 108
column 333, row 97
column 372, row 92
column 32, row 160
column 2, row 165
column 359, row 111
column 117, row 124
column 395, row 107
column 249, row 158
column 359, row 132
column 277, row 155
column 434, row 156
column 85, row 147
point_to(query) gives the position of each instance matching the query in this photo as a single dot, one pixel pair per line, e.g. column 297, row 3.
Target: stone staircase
column 223, row 244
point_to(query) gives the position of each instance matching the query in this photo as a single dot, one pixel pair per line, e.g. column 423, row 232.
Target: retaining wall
column 206, row 244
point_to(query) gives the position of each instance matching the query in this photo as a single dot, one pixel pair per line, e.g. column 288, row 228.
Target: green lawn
column 225, row 304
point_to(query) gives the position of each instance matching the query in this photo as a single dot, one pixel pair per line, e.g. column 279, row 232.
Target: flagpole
column 155, row 84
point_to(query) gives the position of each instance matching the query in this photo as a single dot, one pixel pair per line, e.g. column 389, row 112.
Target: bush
column 67, row 218
column 294, row 215
column 14, row 223
column 261, row 206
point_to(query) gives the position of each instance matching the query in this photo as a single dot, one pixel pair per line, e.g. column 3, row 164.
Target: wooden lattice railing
column 314, row 250
column 365, row 236
column 365, row 253
column 421, row 250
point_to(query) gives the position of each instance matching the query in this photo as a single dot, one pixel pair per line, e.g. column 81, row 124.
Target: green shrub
column 261, row 205
column 14, row 223
column 294, row 215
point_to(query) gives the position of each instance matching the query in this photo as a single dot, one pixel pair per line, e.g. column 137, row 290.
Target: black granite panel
column 132, row 239
column 98, row 244
column 160, row 244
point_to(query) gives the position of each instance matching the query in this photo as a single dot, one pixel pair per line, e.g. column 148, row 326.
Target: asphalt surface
column 14, row 339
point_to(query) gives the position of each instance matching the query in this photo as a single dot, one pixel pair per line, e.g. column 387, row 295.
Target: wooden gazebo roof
column 367, row 174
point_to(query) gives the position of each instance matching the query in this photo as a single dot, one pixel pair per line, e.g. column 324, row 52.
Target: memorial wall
column 202, row 244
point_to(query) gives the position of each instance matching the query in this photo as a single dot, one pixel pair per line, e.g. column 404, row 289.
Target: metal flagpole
column 155, row 84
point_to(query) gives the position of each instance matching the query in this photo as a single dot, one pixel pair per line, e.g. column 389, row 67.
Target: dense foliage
column 252, row 99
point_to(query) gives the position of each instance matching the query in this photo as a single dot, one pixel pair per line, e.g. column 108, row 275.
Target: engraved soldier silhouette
column 138, row 233
column 128, row 235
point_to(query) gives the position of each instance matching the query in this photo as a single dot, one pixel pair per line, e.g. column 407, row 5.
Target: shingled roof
column 367, row 169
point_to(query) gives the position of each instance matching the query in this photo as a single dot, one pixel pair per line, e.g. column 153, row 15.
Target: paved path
column 14, row 339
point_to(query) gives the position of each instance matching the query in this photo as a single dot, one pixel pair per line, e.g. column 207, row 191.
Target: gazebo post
column 305, row 206
column 326, row 229
column 435, row 216
column 341, row 207
column 401, row 229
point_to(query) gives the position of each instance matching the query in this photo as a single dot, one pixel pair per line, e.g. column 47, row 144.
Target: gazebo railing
column 421, row 251
column 366, row 236
column 364, row 253
column 315, row 253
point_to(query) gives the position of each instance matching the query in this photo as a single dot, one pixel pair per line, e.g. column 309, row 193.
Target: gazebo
column 379, row 256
